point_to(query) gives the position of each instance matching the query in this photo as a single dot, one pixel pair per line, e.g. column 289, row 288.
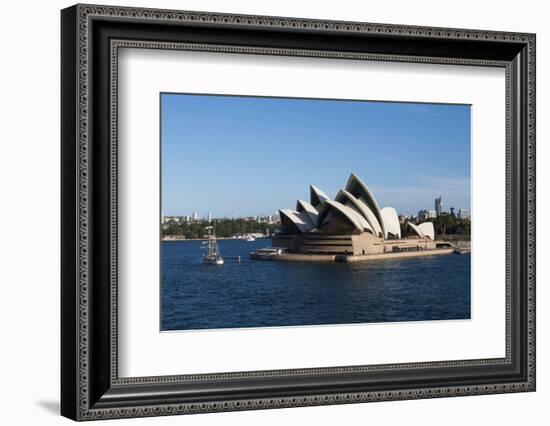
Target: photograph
column 279, row 211
column 267, row 208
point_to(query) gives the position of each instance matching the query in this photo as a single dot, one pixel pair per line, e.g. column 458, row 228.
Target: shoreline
column 163, row 239
column 170, row 239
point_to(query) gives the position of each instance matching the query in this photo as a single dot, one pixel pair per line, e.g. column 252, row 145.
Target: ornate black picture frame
column 91, row 36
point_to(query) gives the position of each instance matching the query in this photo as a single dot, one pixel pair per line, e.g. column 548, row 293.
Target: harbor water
column 253, row 293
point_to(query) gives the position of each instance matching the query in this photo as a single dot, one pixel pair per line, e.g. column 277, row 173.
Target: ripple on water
column 259, row 294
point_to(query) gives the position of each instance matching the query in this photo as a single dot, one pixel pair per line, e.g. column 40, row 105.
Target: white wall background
column 29, row 212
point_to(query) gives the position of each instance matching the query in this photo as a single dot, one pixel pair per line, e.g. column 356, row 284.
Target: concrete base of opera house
column 350, row 244
column 300, row 257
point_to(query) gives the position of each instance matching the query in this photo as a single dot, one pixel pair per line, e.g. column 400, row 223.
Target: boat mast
column 213, row 255
column 212, row 249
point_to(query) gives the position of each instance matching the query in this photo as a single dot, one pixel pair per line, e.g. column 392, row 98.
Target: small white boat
column 267, row 253
column 251, row 238
column 212, row 256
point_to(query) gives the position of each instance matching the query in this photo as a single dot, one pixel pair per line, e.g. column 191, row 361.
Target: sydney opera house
column 351, row 224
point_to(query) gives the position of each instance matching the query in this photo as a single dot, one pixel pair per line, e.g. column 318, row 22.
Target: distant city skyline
column 431, row 213
column 244, row 156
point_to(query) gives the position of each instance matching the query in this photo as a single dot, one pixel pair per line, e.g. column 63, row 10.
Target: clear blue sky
column 244, row 156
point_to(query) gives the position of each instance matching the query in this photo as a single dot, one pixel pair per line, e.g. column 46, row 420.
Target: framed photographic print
column 263, row 212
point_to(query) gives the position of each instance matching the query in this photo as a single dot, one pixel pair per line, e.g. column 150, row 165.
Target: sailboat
column 212, row 255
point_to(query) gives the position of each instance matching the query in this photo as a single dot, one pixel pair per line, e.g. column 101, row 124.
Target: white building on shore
column 351, row 223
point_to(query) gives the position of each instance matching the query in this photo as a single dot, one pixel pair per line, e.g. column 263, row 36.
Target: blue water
column 256, row 293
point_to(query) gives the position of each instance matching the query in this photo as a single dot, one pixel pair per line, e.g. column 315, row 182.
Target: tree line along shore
column 224, row 228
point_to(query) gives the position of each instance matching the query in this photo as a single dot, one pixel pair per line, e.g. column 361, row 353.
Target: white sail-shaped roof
column 391, row 221
column 353, row 210
column 316, row 196
column 356, row 187
column 416, row 229
column 354, row 218
column 347, row 198
column 310, row 211
column 427, row 229
column 299, row 220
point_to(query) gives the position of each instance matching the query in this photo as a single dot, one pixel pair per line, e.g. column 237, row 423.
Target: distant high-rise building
column 432, row 214
column 209, row 217
column 423, row 215
column 461, row 213
column 452, row 210
column 438, row 206
column 195, row 216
